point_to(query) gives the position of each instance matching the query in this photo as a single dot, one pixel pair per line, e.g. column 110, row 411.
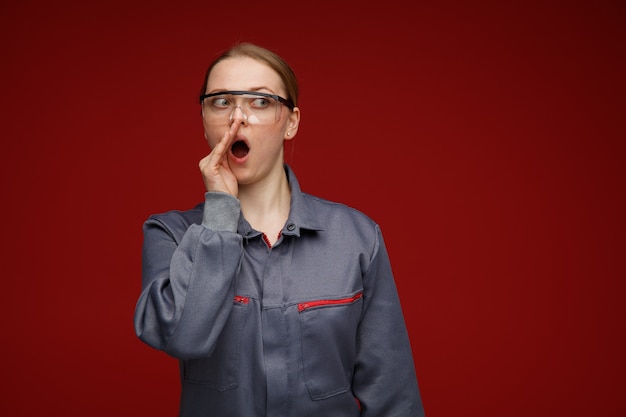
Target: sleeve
column 188, row 283
column 384, row 381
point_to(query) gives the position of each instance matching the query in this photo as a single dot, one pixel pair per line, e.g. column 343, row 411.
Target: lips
column 240, row 149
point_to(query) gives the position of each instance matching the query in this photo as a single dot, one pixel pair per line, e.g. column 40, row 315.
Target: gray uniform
column 311, row 326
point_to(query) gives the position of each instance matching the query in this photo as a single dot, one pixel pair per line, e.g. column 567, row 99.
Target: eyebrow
column 250, row 89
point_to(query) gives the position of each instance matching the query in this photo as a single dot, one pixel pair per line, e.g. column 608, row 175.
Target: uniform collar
column 301, row 214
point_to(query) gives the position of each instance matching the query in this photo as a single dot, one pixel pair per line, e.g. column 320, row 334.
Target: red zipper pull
column 241, row 299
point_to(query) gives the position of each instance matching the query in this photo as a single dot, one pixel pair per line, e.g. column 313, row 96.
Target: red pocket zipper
column 319, row 303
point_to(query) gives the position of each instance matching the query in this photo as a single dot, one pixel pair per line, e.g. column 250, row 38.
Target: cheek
column 213, row 134
column 274, row 135
column 273, row 141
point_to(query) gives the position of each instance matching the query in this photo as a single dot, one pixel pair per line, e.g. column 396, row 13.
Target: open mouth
column 240, row 149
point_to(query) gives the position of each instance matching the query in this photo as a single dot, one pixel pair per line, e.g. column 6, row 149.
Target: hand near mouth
column 216, row 173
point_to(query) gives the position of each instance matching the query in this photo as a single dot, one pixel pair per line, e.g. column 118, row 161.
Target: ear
column 292, row 124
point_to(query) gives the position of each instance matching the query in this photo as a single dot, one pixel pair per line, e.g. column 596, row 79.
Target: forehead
column 244, row 73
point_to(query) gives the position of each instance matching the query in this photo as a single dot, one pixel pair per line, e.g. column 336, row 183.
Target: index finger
column 227, row 139
column 231, row 133
column 234, row 127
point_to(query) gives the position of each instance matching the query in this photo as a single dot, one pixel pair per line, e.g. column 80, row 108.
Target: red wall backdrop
column 487, row 139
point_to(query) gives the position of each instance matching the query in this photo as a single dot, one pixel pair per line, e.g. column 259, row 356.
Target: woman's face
column 258, row 147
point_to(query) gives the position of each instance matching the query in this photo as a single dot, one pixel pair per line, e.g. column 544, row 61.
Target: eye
column 220, row 102
column 260, row 102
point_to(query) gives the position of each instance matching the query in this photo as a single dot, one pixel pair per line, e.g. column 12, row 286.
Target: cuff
column 221, row 212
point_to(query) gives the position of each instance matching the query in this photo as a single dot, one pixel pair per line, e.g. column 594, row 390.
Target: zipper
column 241, row 299
column 320, row 303
column 267, row 240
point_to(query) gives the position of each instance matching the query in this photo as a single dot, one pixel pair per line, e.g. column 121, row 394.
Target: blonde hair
column 265, row 56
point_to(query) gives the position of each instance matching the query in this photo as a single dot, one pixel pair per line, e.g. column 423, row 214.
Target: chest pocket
column 328, row 331
column 220, row 371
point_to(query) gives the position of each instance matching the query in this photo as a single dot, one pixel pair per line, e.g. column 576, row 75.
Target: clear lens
column 256, row 109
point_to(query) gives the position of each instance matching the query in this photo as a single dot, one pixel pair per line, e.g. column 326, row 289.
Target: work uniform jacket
column 309, row 327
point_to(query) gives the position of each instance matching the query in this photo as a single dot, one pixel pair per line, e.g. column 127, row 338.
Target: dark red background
column 486, row 138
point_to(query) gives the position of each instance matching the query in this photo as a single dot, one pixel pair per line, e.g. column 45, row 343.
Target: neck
column 266, row 205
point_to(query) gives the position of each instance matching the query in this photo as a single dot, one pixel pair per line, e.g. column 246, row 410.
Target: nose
column 242, row 115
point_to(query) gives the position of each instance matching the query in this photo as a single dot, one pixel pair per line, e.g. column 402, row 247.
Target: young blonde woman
column 276, row 302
